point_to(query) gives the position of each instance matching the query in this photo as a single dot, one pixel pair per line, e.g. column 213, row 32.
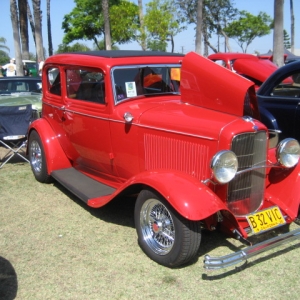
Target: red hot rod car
column 180, row 132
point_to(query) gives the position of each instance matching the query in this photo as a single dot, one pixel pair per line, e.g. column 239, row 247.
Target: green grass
column 54, row 247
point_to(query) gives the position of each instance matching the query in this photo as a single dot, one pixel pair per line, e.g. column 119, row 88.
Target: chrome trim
column 219, row 262
column 139, row 125
column 276, row 165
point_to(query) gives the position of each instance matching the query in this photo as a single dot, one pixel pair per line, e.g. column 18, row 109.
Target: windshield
column 145, row 80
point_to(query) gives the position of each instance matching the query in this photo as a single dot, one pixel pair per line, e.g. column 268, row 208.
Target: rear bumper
column 214, row 263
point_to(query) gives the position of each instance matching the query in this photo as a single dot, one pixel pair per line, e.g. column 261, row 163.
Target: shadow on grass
column 8, row 280
column 119, row 211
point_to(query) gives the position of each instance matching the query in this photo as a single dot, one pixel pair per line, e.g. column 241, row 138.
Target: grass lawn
column 54, row 247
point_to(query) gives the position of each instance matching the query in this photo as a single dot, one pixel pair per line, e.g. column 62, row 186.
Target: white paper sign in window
column 130, row 89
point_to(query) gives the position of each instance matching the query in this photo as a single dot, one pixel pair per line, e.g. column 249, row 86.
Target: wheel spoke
column 157, row 226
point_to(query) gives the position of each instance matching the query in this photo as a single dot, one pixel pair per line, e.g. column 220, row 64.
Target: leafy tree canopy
column 86, row 21
column 247, row 27
column 163, row 21
column 4, row 58
column 2, row 44
column 77, row 47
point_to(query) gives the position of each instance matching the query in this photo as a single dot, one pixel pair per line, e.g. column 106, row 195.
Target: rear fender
column 188, row 196
column 55, row 156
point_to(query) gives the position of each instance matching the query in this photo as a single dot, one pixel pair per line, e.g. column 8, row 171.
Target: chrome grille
column 245, row 192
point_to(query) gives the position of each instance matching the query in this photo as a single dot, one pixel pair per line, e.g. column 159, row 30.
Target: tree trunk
column 278, row 45
column 142, row 26
column 50, row 45
column 16, row 35
column 227, row 45
column 37, row 14
column 105, row 10
column 199, row 27
column 22, row 4
column 292, row 26
column 29, row 15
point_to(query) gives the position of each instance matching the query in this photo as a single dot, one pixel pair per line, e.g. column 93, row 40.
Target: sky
column 184, row 42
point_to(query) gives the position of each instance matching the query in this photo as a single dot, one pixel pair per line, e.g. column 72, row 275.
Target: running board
column 84, row 187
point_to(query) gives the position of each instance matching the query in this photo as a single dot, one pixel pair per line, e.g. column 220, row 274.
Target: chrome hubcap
column 157, row 227
column 36, row 156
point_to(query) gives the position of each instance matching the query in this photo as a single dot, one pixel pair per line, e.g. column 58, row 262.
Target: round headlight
column 288, row 152
column 224, row 166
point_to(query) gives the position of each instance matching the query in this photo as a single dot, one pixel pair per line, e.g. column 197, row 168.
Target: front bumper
column 214, row 263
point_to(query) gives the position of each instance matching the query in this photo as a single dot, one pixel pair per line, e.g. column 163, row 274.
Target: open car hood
column 258, row 69
column 204, row 83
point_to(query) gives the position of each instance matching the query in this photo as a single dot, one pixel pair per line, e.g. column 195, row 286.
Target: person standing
column 41, row 64
column 10, row 68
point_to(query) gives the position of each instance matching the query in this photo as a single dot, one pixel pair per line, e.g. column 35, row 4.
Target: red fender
column 189, row 197
column 55, row 156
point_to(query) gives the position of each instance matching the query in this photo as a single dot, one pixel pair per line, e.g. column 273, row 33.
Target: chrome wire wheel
column 157, row 226
column 36, row 158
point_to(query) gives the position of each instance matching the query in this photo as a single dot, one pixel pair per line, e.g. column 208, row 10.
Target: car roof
column 125, row 53
column 24, row 78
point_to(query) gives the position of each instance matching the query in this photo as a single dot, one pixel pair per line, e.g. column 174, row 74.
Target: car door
column 87, row 110
column 282, row 101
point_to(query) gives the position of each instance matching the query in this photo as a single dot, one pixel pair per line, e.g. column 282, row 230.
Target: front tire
column 37, row 158
column 164, row 235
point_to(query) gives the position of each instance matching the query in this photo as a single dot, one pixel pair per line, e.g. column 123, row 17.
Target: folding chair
column 14, row 123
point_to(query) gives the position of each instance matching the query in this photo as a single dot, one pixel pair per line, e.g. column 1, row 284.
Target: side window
column 53, row 77
column 289, row 87
column 220, row 62
column 85, row 84
column 138, row 81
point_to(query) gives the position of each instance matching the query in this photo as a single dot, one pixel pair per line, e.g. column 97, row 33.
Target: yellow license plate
column 265, row 219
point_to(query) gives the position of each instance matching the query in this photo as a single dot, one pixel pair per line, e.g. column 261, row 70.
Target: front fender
column 188, row 196
column 55, row 156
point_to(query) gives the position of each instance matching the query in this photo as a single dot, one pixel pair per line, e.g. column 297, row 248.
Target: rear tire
column 37, row 158
column 164, row 235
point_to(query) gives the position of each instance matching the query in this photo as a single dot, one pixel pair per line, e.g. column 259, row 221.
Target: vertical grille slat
column 245, row 192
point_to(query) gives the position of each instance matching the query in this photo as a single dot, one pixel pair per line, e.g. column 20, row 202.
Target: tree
column 215, row 16
column 77, row 47
column 86, row 21
column 107, row 36
column 292, row 26
column 16, row 35
column 142, row 40
column 199, row 26
column 163, row 21
column 50, row 45
column 286, row 40
column 24, row 28
column 248, row 27
column 36, row 4
column 31, row 22
column 2, row 44
column 278, row 45
column 4, row 58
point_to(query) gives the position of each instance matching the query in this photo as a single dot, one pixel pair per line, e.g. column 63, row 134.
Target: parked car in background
column 30, row 68
column 16, row 90
column 247, row 65
column 177, row 131
column 279, row 98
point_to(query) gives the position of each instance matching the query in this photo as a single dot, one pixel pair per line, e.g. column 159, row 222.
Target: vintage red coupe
column 250, row 66
column 177, row 131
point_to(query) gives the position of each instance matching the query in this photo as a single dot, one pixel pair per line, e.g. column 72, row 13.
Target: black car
column 20, row 84
column 279, row 101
